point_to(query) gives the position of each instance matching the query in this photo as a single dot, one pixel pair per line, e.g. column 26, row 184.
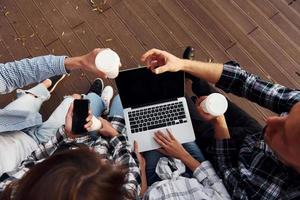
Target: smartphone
column 80, row 113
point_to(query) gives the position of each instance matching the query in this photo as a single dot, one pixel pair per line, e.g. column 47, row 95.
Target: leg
column 152, row 158
column 30, row 100
column 116, row 107
column 49, row 128
column 96, row 104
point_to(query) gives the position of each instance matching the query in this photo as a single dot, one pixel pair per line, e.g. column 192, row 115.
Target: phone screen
column 80, row 113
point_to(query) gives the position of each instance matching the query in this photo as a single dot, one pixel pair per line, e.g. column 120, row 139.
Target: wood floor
column 262, row 35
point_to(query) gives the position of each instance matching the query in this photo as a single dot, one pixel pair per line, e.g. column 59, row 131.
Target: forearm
column 73, row 63
column 210, row 72
column 18, row 74
column 190, row 162
column 220, row 128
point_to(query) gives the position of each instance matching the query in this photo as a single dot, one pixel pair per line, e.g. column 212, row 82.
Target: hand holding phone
column 80, row 113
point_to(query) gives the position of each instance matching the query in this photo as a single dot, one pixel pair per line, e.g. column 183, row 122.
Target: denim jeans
column 31, row 100
column 152, row 158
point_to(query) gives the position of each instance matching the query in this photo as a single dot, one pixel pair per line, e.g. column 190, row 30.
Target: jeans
column 152, row 158
column 31, row 100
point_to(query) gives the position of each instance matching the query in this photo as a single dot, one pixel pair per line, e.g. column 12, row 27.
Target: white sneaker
column 106, row 96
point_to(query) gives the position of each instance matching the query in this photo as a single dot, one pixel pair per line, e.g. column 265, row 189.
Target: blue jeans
column 152, row 158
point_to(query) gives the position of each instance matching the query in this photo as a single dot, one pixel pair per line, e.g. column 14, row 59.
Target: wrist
column 73, row 63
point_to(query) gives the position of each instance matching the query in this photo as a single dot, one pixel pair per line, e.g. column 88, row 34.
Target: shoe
column 55, row 81
column 189, row 53
column 106, row 96
column 97, row 87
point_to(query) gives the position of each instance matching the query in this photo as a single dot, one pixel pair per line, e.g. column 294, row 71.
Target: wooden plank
column 123, row 34
column 288, row 68
column 69, row 12
column 266, row 64
column 104, row 33
column 287, row 27
column 210, row 25
column 296, row 6
column 287, row 11
column 26, row 34
column 246, row 61
column 4, row 54
column 87, row 36
column 266, row 7
column 8, row 37
column 142, row 33
column 196, row 31
column 176, row 30
column 41, row 27
column 279, row 37
column 56, row 20
column 245, row 23
column 148, row 17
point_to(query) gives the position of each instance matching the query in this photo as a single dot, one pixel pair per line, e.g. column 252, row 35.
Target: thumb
column 161, row 69
column 136, row 147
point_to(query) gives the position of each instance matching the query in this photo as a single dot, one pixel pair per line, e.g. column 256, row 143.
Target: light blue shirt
column 18, row 74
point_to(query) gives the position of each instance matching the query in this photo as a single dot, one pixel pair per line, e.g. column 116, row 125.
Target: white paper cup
column 215, row 104
column 108, row 62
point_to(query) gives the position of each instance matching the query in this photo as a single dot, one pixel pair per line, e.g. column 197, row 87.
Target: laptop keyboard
column 157, row 117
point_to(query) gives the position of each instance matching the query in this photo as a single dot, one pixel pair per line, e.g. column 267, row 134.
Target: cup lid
column 216, row 104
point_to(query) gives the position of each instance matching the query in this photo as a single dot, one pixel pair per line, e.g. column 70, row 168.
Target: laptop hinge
column 152, row 103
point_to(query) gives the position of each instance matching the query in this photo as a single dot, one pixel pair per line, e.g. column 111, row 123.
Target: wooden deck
column 262, row 35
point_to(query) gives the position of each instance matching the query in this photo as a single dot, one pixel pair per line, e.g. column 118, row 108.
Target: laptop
column 154, row 102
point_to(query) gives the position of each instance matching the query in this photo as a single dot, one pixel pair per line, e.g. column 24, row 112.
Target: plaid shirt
column 204, row 184
column 115, row 149
column 250, row 170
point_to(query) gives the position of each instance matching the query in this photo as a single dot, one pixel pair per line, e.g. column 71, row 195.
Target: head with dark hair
column 72, row 174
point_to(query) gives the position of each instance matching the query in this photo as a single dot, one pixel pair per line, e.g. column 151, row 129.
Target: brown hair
column 70, row 175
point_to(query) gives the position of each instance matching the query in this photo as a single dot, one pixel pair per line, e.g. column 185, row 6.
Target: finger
column 89, row 118
column 101, row 74
column 163, row 136
column 200, row 99
column 88, row 125
column 159, row 141
column 135, row 146
column 151, row 52
column 162, row 69
column 70, row 110
column 171, row 135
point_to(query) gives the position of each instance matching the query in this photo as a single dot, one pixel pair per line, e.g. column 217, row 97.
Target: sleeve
column 207, row 176
column 122, row 154
column 273, row 96
column 18, row 74
column 224, row 156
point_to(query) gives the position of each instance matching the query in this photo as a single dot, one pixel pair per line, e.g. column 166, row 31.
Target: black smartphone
column 80, row 113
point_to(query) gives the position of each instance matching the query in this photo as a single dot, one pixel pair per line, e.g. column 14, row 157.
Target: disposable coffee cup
column 215, row 104
column 108, row 62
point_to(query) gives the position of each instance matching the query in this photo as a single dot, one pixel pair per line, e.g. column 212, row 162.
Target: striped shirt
column 18, row 74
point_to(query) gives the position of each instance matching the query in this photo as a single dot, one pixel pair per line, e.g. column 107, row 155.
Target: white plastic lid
column 108, row 62
column 216, row 104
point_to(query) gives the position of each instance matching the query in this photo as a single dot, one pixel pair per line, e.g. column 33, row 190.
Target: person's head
column 71, row 175
column 282, row 134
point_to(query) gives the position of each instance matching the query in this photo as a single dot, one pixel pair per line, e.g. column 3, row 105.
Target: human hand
column 107, row 130
column 68, row 122
column 139, row 156
column 169, row 145
column 205, row 116
column 85, row 62
column 161, row 61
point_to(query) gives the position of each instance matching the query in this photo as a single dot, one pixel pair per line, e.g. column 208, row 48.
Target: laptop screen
column 140, row 86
